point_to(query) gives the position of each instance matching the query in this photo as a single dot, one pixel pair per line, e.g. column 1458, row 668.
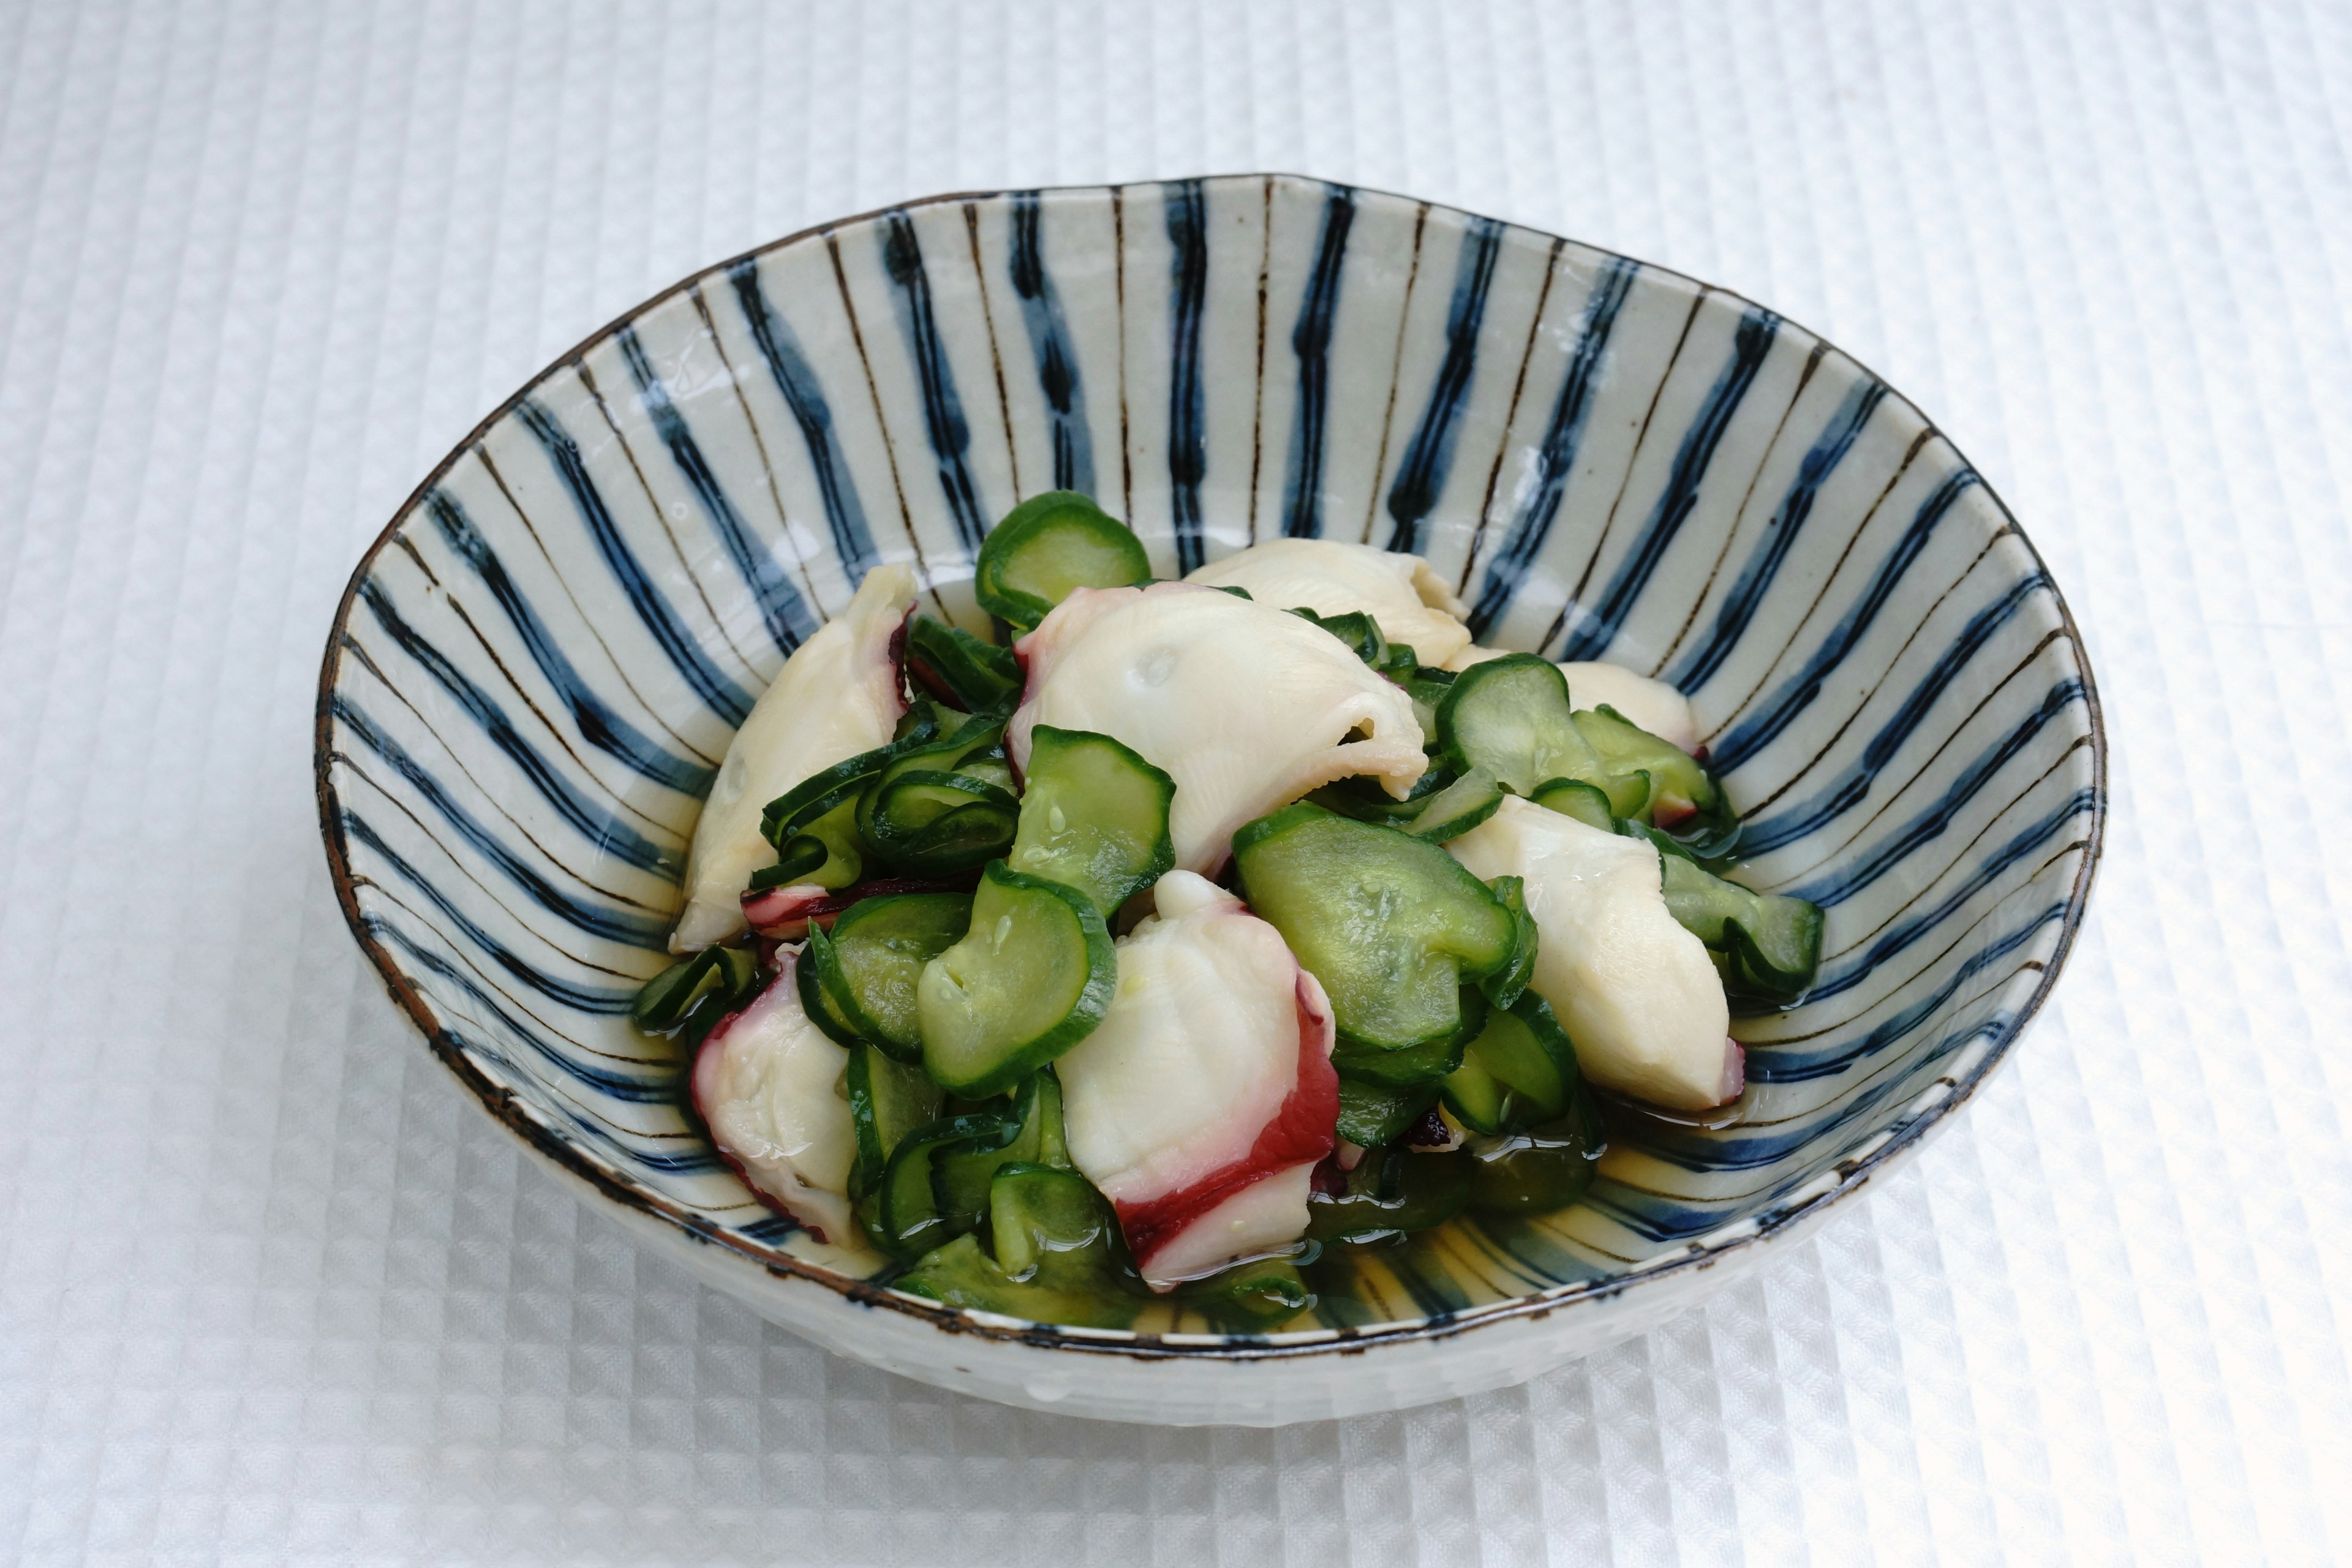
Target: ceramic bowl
column 539, row 664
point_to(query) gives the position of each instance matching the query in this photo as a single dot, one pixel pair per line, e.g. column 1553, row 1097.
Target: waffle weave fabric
column 270, row 1291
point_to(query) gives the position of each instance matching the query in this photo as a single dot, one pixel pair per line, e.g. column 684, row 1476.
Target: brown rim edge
column 501, row 1104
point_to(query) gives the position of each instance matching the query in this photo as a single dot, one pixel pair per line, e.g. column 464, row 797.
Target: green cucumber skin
column 895, row 921
column 1374, row 1114
column 887, row 1100
column 1093, row 1001
column 1390, row 1192
column 1004, row 553
column 909, row 1221
column 818, row 1001
column 1727, row 918
column 980, row 674
column 1530, row 694
column 1371, row 1010
column 1107, row 879
column 1457, row 808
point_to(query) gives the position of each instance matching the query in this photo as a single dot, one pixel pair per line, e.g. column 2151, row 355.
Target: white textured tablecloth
column 270, row 1291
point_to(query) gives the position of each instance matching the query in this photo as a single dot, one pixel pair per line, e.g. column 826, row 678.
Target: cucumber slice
column 1510, row 715
column 1589, row 803
column 710, row 982
column 1048, row 547
column 1054, row 1258
column 1033, row 978
column 798, row 808
column 1427, row 686
column 888, row 1100
column 1358, row 630
column 1412, row 1067
column 1376, row 1114
column 1518, row 1071
column 1366, row 801
column 816, row 1000
column 1457, row 808
column 826, row 853
column 1093, row 816
column 905, row 1220
column 1541, row 1170
column 1506, row 986
column 1392, row 1192
column 959, row 667
column 960, row 1177
column 1391, row 925
column 1768, row 945
column 1250, row 1297
column 870, row 962
column 1679, row 788
column 927, row 824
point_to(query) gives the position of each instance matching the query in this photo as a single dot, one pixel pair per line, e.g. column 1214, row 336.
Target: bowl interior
column 542, row 661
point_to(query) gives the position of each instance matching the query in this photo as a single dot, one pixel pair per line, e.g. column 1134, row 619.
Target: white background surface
column 270, row 1291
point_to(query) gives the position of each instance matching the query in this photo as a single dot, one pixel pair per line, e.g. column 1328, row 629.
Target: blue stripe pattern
column 1753, row 733
column 1187, row 287
column 782, row 609
column 1903, row 712
column 598, row 724
column 602, row 826
column 1049, row 340
column 780, row 349
column 1310, row 340
column 1429, row 455
column 943, row 421
column 653, row 608
column 1596, row 629
column 1754, row 579
column 1531, row 526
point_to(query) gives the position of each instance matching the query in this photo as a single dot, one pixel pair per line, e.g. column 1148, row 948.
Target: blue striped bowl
column 539, row 664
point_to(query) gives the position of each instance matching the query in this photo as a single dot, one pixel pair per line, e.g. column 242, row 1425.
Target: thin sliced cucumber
column 816, row 1001
column 791, row 812
column 1048, row 547
column 1366, row 801
column 1679, row 785
column 1358, row 630
column 1511, row 716
column 1055, row 1259
column 1093, row 816
column 960, row 1178
column 1768, row 945
column 1391, row 925
column 1427, row 686
column 1506, row 986
column 870, row 962
column 905, row 1220
column 1258, row 1295
column 1457, row 808
column 1376, row 1114
column 1032, row 978
column 1519, row 1070
column 888, row 1100
column 826, row 853
column 927, row 822
column 1540, row 1170
column 958, row 666
column 1412, row 1067
column 671, row 998
column 1392, row 1192
column 1589, row 803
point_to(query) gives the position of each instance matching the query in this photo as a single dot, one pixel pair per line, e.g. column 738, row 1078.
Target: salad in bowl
column 1194, row 934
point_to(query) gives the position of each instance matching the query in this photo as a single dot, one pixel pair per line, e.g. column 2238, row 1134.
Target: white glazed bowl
column 537, row 664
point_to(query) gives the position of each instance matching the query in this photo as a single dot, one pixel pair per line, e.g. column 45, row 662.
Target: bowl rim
column 1833, row 1187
